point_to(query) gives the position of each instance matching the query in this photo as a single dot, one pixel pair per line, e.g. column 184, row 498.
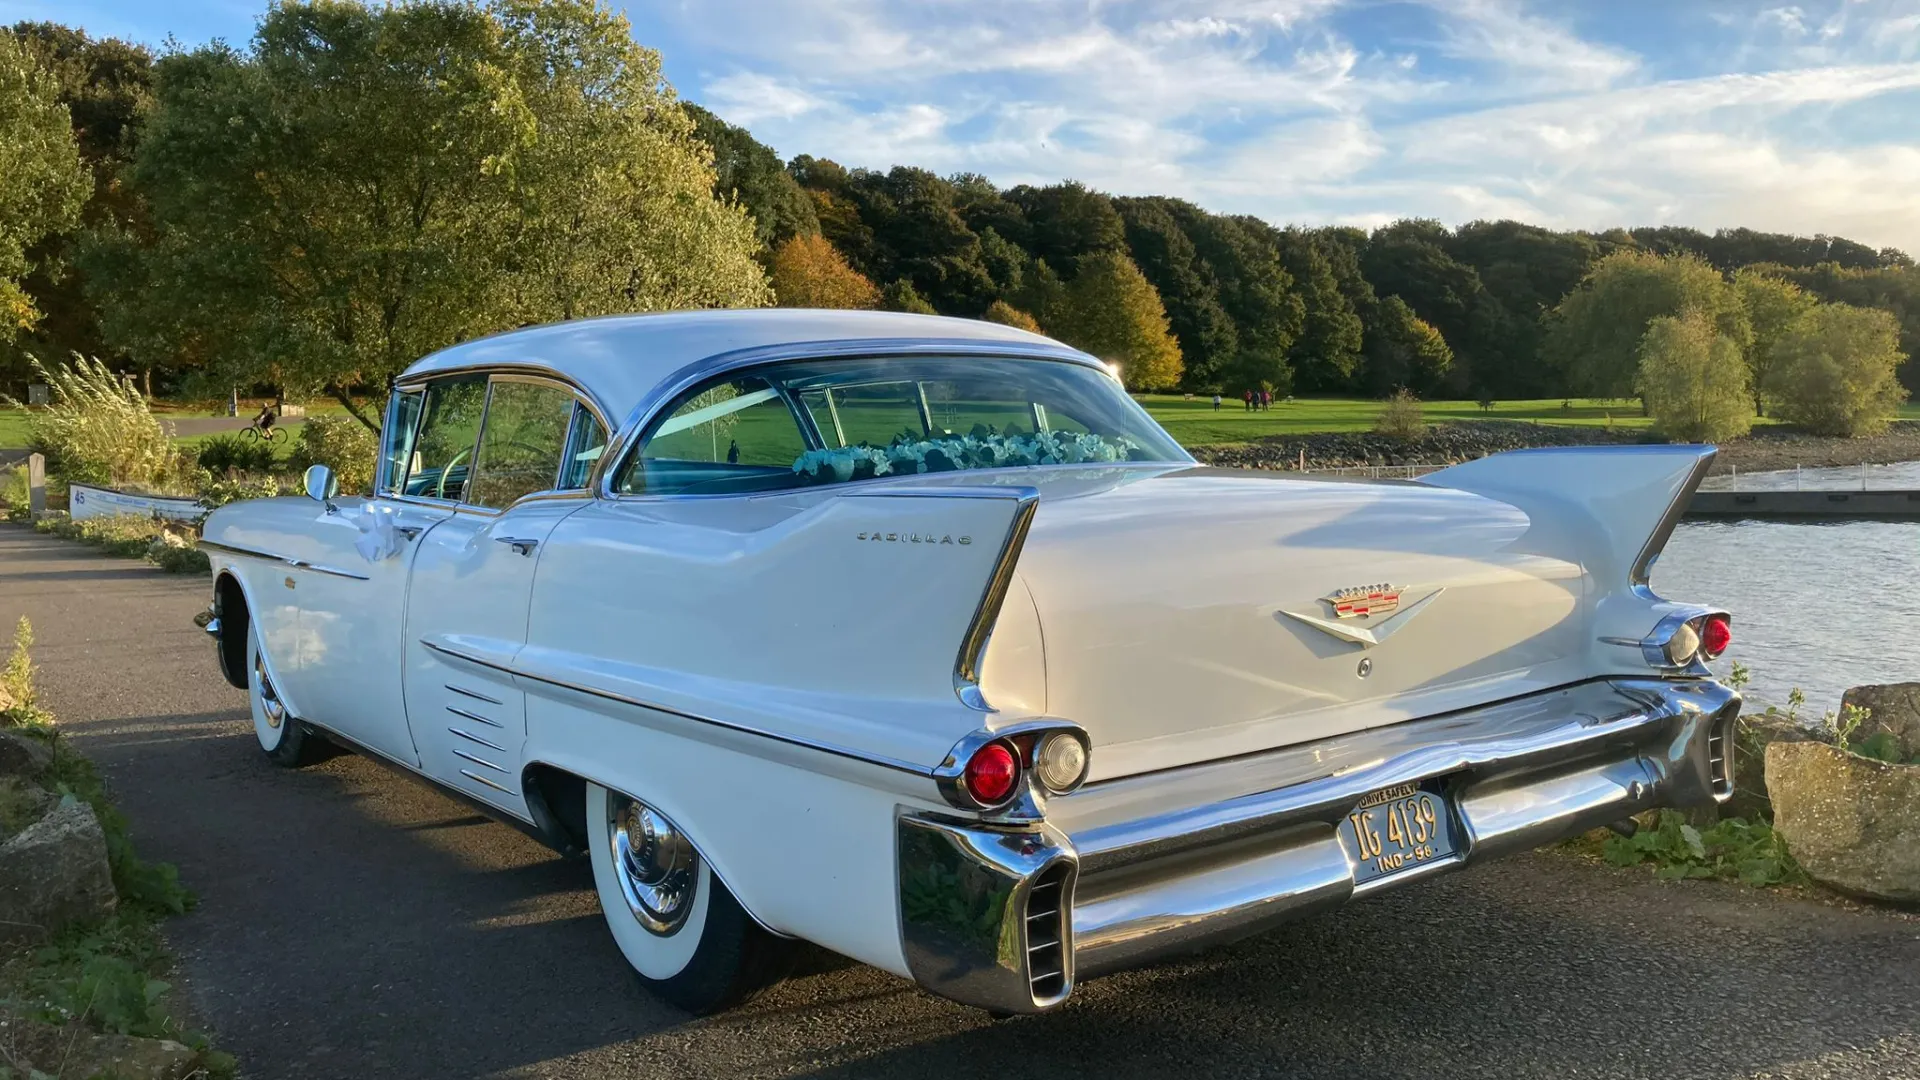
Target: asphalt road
column 354, row 923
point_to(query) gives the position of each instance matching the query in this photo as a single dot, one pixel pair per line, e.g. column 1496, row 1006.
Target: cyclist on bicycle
column 264, row 422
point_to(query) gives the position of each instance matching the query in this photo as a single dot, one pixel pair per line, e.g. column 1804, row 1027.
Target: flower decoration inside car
column 982, row 449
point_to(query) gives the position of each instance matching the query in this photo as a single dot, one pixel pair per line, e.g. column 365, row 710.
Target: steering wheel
column 440, row 488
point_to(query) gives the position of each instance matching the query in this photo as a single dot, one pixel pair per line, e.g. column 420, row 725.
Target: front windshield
column 802, row 423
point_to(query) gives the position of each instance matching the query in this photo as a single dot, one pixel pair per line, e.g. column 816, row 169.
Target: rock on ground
column 1755, row 733
column 1894, row 708
column 1853, row 823
column 72, row 1051
column 23, row 755
column 54, row 872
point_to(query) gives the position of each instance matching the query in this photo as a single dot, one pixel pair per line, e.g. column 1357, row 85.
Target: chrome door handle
column 520, row 545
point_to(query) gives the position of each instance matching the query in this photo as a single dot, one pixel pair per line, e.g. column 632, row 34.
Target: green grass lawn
column 1195, row 423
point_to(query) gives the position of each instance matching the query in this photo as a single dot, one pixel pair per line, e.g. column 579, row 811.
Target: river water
column 1820, row 607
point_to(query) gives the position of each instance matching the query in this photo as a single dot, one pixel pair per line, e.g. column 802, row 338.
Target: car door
column 349, row 609
column 472, row 580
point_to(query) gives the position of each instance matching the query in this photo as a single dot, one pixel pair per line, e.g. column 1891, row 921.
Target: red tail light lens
column 1715, row 635
column 991, row 774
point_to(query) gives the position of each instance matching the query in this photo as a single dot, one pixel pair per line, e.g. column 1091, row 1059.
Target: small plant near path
column 1731, row 850
column 107, row 976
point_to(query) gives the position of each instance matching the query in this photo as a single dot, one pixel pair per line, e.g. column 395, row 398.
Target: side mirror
column 322, row 485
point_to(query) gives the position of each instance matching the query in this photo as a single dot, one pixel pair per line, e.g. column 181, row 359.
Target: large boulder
column 54, row 872
column 1853, row 823
column 1754, row 733
column 1894, row 708
column 23, row 755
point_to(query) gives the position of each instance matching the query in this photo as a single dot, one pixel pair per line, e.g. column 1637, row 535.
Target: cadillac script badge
column 1364, row 601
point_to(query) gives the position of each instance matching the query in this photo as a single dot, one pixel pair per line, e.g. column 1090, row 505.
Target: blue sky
column 1797, row 117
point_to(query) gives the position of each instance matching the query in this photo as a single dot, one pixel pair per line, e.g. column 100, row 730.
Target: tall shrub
column 1694, row 379
column 98, row 430
column 1835, row 367
column 341, row 444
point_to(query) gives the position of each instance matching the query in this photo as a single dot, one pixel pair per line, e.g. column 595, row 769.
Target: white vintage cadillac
column 917, row 639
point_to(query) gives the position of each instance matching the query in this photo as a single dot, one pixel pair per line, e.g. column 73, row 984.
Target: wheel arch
column 556, row 799
column 234, row 613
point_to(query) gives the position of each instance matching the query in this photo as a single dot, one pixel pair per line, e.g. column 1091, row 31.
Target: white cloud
column 1304, row 110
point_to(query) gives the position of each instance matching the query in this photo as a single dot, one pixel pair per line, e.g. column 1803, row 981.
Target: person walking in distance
column 1216, row 401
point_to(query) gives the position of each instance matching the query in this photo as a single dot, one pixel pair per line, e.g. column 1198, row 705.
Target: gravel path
column 355, row 923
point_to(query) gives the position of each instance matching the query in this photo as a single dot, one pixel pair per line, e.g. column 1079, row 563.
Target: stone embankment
column 1447, row 444
column 1440, row 444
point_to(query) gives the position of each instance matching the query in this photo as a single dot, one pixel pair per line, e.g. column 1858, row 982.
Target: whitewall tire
column 686, row 937
column 283, row 738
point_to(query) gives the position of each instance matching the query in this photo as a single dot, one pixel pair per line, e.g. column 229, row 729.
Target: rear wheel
column 686, row 937
column 283, row 738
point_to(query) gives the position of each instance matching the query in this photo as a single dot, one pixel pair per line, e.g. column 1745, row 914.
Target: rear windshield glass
column 803, row 423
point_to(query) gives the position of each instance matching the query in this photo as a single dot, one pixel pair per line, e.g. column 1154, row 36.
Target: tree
column 42, row 182
column 1007, row 315
column 104, row 84
column 808, row 272
column 1243, row 255
column 1406, row 352
column 918, row 235
column 1835, row 368
column 1693, row 379
column 902, row 296
column 1772, row 305
column 1893, row 288
column 1067, row 222
column 1410, row 259
column 1594, row 337
column 1112, row 311
column 367, row 185
column 1326, row 355
column 1162, row 251
column 751, row 173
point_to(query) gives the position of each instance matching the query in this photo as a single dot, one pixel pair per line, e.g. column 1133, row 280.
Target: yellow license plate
column 1396, row 829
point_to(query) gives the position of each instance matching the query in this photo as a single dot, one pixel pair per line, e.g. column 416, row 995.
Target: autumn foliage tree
column 1007, row 315
column 809, row 272
column 1112, row 311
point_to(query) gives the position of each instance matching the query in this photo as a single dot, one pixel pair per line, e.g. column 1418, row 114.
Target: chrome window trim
column 301, row 564
column 531, row 371
column 670, row 388
column 497, row 373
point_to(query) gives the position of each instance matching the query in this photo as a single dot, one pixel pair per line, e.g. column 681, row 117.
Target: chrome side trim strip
column 302, row 564
column 477, row 778
column 471, row 737
column 973, row 647
column 475, row 716
column 608, row 695
column 475, row 694
column 459, row 753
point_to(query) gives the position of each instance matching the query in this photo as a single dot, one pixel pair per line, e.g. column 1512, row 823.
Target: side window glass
column 442, row 455
column 725, row 439
column 585, row 444
column 403, row 423
column 522, row 443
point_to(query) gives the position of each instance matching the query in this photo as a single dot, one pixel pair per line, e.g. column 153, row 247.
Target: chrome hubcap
column 269, row 697
column 657, row 867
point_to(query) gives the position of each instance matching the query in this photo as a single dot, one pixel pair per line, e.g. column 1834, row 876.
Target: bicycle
column 263, row 432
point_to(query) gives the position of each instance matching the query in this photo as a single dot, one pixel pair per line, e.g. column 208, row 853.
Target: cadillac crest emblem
column 1364, row 601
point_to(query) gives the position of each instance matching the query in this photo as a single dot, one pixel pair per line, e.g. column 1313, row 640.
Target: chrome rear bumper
column 1128, row 871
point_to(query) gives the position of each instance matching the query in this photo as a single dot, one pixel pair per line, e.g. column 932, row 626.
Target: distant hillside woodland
column 360, row 186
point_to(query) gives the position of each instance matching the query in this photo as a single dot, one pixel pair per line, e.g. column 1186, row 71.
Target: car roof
column 620, row 359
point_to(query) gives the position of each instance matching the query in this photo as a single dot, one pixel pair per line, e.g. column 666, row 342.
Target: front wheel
column 686, row 937
column 283, row 738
